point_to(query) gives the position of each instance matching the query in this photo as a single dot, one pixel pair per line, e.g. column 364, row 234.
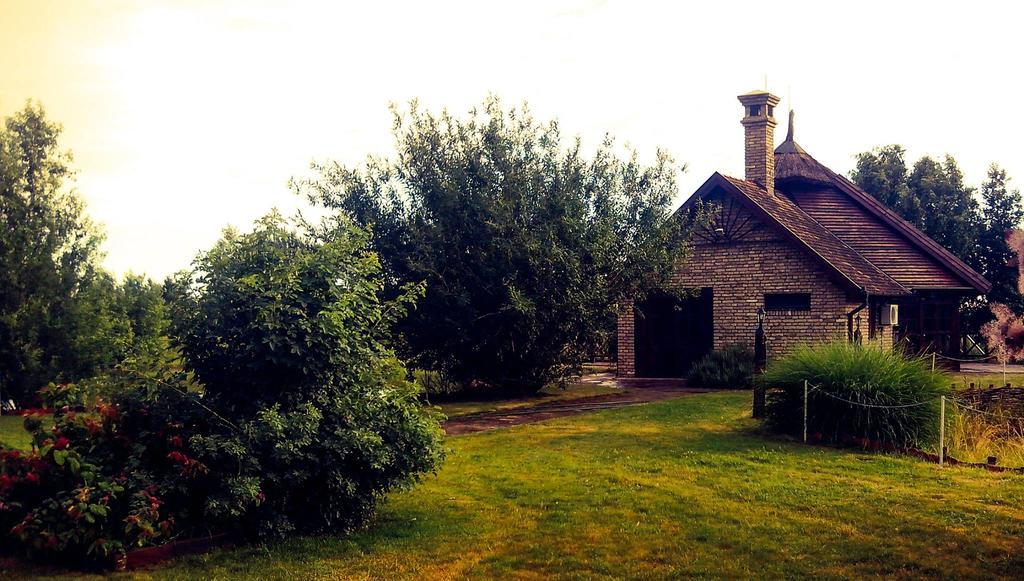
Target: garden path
column 635, row 391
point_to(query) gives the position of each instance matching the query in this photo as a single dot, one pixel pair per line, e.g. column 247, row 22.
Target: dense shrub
column 862, row 374
column 287, row 332
column 305, row 419
column 105, row 477
column 729, row 367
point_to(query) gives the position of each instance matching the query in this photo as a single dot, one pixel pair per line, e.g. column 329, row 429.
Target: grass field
column 963, row 380
column 680, row 488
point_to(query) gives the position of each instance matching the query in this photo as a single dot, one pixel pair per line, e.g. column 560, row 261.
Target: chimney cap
column 759, row 98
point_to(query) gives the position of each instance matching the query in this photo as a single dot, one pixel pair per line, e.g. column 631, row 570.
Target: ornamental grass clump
column 896, row 396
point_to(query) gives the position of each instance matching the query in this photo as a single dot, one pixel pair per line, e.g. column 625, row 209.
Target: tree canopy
column 1004, row 210
column 525, row 242
column 61, row 317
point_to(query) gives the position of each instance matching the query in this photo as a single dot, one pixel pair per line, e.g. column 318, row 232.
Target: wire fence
column 965, row 360
column 942, row 400
column 986, row 358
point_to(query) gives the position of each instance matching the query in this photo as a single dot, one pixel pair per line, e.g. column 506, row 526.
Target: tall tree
column 62, row 318
column 1003, row 213
column 524, row 242
column 48, row 249
column 934, row 198
column 950, row 213
column 882, row 173
column 111, row 321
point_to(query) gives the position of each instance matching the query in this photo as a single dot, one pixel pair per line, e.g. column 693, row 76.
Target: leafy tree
column 949, row 211
column 933, row 197
column 1003, row 212
column 525, row 243
column 112, row 322
column 48, row 249
column 61, row 317
column 882, row 173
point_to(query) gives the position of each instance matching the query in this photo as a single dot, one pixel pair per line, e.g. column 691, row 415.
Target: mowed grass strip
column 687, row 487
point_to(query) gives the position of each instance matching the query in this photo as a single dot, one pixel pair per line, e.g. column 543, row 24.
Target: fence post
column 1004, row 372
column 933, row 362
column 942, row 431
column 805, row 411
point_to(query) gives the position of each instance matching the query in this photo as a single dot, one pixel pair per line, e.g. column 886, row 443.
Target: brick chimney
column 759, row 137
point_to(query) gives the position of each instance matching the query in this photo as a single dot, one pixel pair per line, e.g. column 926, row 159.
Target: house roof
column 794, row 165
column 835, row 255
column 854, row 236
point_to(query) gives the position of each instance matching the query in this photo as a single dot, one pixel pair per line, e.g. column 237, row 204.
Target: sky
column 188, row 116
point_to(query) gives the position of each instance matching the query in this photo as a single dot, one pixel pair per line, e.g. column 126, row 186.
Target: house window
column 787, row 302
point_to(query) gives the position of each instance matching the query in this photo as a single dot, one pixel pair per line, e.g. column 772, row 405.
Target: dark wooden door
column 672, row 333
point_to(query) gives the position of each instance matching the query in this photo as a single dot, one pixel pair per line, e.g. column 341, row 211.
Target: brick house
column 822, row 258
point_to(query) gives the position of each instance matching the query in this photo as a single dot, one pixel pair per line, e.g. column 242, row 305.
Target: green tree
column 1003, row 213
column 111, row 322
column 934, row 198
column 48, row 250
column 950, row 213
column 62, row 318
column 525, row 243
column 882, row 173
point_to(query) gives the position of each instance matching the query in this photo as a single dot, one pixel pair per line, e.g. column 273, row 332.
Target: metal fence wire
column 941, row 400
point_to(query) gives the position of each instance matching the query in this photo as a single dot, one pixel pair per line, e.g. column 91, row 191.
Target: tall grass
column 862, row 374
column 973, row 437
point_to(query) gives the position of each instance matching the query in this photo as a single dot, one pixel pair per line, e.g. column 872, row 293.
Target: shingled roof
column 793, row 165
column 831, row 252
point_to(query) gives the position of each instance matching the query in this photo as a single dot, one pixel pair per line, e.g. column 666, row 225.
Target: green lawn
column 548, row 394
column 963, row 380
column 679, row 488
column 12, row 432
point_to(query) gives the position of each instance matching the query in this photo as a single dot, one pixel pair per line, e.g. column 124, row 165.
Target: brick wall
column 740, row 272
